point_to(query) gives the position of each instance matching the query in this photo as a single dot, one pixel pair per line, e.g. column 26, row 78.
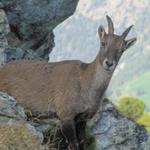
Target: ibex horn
column 125, row 33
column 110, row 25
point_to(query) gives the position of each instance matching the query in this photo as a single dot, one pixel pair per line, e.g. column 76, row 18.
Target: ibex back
column 72, row 90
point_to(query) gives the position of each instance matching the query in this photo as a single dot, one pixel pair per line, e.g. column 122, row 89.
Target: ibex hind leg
column 69, row 131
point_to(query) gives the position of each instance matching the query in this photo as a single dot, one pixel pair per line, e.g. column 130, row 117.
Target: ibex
column 72, row 89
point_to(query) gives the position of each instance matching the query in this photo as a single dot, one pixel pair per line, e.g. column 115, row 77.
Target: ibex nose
column 108, row 63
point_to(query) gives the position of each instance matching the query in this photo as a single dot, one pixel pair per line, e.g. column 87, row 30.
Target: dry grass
column 54, row 139
column 17, row 137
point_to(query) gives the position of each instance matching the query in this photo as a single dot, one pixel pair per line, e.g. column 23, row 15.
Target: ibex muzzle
column 72, row 90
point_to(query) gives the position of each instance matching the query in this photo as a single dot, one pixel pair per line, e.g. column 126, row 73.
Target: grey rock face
column 14, row 53
column 32, row 23
column 115, row 132
column 9, row 109
column 4, row 29
column 4, row 26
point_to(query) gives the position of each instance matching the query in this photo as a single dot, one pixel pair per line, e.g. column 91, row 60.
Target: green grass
column 138, row 87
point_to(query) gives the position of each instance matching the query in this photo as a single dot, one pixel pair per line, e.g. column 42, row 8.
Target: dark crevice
column 16, row 31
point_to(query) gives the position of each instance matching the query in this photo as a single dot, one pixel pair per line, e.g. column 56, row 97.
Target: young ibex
column 72, row 90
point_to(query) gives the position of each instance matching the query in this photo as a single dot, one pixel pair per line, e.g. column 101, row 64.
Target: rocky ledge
column 115, row 132
column 112, row 131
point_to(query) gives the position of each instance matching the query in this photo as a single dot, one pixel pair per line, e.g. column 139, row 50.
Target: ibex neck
column 100, row 77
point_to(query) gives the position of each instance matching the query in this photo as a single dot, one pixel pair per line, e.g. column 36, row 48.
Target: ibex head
column 112, row 46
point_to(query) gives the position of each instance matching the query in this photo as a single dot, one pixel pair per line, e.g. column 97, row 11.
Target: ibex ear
column 101, row 32
column 130, row 42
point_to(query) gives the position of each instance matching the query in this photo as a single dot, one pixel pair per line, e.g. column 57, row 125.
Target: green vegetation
column 138, row 87
column 145, row 121
column 90, row 138
column 55, row 140
column 131, row 107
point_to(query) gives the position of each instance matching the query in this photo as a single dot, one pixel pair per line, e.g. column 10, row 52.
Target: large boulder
column 32, row 23
column 115, row 132
column 15, row 132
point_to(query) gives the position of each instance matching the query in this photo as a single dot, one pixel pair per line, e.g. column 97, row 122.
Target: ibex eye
column 102, row 44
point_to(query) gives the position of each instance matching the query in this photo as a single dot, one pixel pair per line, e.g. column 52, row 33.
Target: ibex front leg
column 80, row 127
column 69, row 131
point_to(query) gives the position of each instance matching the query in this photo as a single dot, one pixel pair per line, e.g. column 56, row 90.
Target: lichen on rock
column 15, row 131
column 17, row 136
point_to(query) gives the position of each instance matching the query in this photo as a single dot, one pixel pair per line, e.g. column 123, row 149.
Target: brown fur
column 72, row 90
column 36, row 86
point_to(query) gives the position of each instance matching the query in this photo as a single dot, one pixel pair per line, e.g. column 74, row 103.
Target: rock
column 14, row 53
column 9, row 109
column 147, row 145
column 32, row 23
column 15, row 131
column 115, row 132
column 18, row 136
column 4, row 29
column 4, row 26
